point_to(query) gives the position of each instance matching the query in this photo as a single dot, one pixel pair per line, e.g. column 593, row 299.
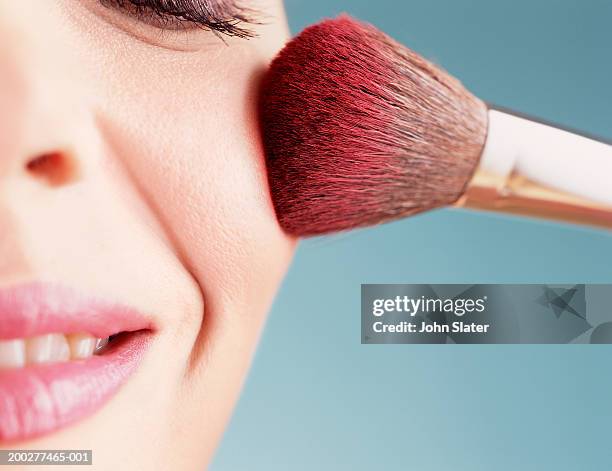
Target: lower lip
column 41, row 399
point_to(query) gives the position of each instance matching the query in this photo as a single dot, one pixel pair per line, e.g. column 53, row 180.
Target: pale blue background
column 318, row 399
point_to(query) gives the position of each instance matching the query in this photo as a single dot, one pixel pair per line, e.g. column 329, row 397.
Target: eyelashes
column 223, row 17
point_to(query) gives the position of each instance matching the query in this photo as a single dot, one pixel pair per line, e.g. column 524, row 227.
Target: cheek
column 186, row 130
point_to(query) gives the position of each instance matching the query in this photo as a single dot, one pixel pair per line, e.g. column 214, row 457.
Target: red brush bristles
column 360, row 130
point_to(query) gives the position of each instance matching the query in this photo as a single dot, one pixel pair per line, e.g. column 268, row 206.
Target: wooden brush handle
column 534, row 169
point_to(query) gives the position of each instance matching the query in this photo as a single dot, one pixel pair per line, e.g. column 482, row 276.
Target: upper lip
column 38, row 309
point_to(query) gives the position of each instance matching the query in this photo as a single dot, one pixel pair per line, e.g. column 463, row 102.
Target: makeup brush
column 360, row 130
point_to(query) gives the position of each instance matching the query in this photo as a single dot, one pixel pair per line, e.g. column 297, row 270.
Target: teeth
column 51, row 348
column 81, row 346
column 12, row 353
column 101, row 345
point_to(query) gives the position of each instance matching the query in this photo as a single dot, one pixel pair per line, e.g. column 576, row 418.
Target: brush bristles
column 359, row 130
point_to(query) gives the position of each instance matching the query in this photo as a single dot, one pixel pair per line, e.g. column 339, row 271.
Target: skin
column 159, row 201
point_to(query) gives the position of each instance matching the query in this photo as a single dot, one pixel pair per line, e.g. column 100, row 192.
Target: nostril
column 53, row 168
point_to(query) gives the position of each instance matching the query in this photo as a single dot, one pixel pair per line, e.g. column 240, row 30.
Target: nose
column 46, row 135
column 38, row 112
column 36, row 129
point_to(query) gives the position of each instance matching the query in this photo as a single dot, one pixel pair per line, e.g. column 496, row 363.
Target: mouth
column 62, row 357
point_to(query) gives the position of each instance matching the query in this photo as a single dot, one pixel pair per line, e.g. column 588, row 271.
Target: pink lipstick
column 45, row 389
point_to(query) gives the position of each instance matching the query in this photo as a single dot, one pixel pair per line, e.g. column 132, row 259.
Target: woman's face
column 133, row 198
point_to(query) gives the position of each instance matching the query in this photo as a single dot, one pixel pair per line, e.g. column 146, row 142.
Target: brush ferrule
column 532, row 169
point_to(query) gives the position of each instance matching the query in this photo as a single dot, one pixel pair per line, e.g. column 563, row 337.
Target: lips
column 51, row 374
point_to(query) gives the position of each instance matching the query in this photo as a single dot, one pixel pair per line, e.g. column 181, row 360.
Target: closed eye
column 224, row 17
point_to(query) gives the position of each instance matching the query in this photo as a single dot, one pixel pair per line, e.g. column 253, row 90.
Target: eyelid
column 223, row 17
